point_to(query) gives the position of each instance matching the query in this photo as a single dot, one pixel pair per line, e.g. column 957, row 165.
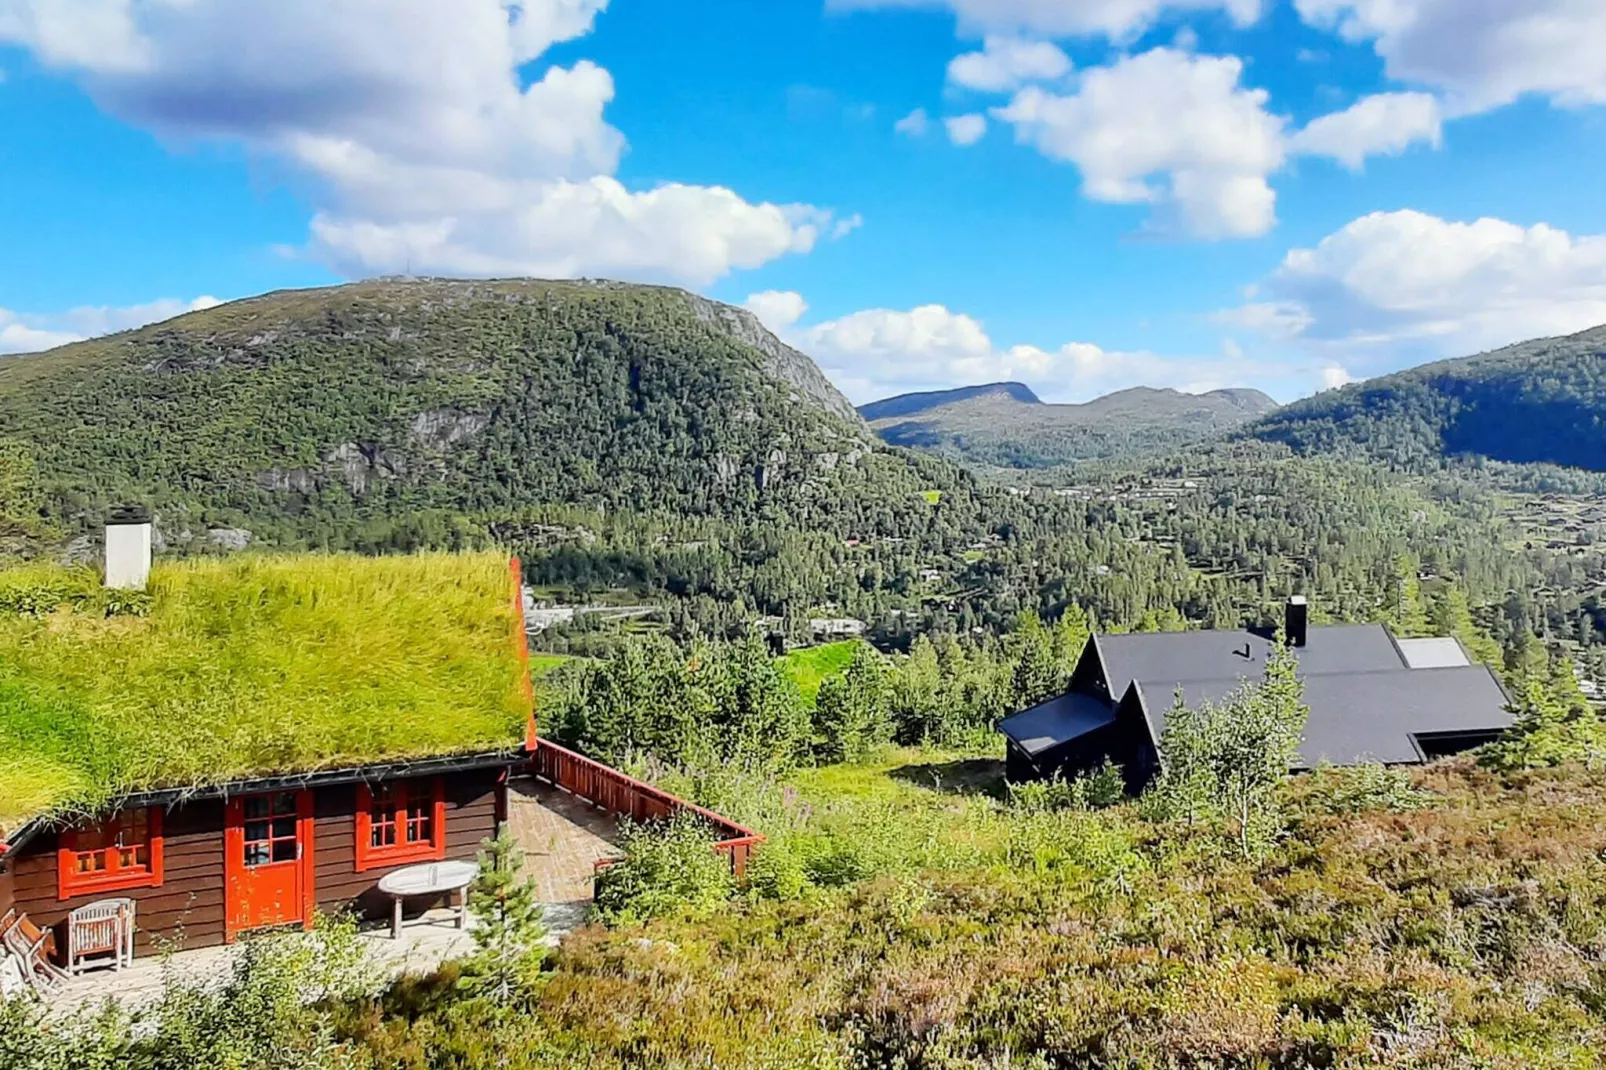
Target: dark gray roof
column 1217, row 655
column 1056, row 721
column 1366, row 716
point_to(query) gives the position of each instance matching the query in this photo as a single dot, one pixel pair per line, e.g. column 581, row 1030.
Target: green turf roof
column 248, row 666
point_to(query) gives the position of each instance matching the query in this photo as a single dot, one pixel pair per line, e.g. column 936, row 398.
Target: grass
column 247, row 666
column 541, row 664
column 810, row 666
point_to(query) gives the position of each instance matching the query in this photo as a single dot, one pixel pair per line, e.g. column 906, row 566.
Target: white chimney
column 128, row 550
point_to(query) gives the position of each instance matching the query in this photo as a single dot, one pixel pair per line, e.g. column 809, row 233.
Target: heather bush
column 668, row 867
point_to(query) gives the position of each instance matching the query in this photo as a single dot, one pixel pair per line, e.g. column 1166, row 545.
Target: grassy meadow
column 809, row 667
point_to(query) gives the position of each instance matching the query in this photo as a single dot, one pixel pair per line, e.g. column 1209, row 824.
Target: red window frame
column 403, row 807
column 115, row 872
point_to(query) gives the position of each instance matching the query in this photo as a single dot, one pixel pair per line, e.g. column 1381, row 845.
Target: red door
column 268, row 864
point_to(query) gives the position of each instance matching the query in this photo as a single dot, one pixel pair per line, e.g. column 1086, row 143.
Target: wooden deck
column 563, row 837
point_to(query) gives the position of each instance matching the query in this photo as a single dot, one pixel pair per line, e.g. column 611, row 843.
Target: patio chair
column 101, row 934
column 26, row 941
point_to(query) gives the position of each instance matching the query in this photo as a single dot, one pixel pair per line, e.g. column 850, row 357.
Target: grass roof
column 248, row 666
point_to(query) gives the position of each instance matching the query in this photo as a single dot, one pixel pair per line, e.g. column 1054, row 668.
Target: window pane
column 256, row 854
column 284, row 803
column 284, row 827
column 256, row 806
column 256, row 830
column 284, row 850
column 92, row 863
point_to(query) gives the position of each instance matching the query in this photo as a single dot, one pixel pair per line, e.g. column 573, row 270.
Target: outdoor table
column 430, row 878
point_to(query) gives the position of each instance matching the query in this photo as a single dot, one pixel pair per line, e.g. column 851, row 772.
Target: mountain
column 1543, row 400
column 1005, row 423
column 913, row 404
column 397, row 412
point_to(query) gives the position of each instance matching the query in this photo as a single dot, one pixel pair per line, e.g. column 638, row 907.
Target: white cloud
column 423, row 145
column 966, row 129
column 1006, row 63
column 1394, row 285
column 916, row 124
column 1480, row 53
column 879, row 352
column 1383, row 123
column 23, row 333
column 1165, row 128
column 1118, row 19
column 777, row 309
column 1335, row 376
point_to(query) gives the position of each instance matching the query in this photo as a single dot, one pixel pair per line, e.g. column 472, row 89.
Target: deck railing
column 639, row 801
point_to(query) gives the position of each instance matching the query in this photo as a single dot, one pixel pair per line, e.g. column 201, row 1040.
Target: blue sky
column 1082, row 194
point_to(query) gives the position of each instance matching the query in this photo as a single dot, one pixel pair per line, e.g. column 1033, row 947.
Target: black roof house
column 1372, row 697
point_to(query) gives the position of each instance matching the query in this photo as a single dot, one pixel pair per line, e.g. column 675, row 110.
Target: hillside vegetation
column 906, row 914
column 1005, row 424
column 1543, row 400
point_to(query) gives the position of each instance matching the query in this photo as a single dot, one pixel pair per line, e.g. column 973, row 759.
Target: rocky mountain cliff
column 334, row 415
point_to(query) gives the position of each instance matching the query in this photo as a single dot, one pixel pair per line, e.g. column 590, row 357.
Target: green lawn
column 810, row 666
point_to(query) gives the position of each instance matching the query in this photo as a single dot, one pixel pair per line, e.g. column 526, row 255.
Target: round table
column 428, row 878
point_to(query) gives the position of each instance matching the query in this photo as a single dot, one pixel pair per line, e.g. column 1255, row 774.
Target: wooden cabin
column 240, row 743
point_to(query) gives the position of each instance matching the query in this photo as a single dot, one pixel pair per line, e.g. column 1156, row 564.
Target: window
column 402, row 821
column 124, row 851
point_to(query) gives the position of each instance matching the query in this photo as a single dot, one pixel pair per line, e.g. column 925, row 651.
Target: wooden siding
column 8, row 897
column 472, row 807
column 188, row 906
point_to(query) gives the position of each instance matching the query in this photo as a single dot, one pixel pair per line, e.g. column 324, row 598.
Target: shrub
column 667, row 867
column 777, row 871
column 1360, row 788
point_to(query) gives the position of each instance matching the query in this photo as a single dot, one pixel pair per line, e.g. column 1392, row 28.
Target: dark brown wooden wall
column 8, row 898
column 188, row 907
column 471, row 816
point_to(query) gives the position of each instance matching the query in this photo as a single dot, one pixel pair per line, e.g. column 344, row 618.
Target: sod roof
column 249, row 666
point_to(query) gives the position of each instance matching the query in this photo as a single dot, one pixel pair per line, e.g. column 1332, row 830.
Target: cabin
column 239, row 743
column 1372, row 698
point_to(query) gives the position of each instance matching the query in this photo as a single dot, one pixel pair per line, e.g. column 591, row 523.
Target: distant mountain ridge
column 1006, row 424
column 1537, row 401
column 923, row 401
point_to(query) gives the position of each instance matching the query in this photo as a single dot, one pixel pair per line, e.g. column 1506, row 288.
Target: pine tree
column 508, row 929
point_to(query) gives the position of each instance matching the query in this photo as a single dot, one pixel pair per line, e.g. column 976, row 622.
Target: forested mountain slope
column 331, row 415
column 1543, row 400
column 1000, row 426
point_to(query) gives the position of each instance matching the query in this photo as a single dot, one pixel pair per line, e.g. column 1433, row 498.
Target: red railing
column 639, row 801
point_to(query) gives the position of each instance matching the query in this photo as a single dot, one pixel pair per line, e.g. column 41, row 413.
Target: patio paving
column 563, row 837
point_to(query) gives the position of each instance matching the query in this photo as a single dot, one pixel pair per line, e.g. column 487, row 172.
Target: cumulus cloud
column 24, row 333
column 916, row 124
column 879, row 352
column 1006, row 63
column 1117, row 19
column 422, row 141
column 1479, row 53
column 1335, row 376
column 1166, row 128
column 966, row 129
column 777, row 309
column 1407, row 285
column 1383, row 123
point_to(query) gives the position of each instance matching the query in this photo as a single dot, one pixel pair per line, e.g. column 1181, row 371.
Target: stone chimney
column 1296, row 621
column 128, row 549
